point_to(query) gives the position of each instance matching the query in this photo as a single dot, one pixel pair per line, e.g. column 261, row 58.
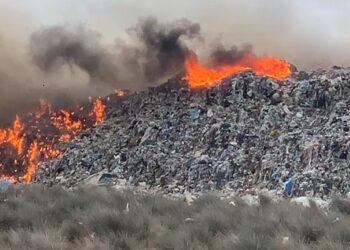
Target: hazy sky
column 310, row 33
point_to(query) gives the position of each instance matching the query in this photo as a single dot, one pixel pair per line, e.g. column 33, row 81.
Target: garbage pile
column 248, row 133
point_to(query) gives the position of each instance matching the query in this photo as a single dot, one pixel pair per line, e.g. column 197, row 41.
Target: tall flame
column 14, row 135
column 32, row 156
column 200, row 76
column 98, row 111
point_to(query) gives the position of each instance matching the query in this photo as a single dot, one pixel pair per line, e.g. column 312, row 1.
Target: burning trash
column 120, row 92
column 25, row 143
column 200, row 76
column 256, row 133
column 98, row 112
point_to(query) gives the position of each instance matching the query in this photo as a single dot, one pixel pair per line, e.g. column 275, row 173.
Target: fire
column 200, row 76
column 24, row 144
column 32, row 157
column 67, row 125
column 14, row 135
column 119, row 92
column 98, row 112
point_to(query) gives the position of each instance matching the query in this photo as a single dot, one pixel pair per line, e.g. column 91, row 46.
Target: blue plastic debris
column 105, row 178
column 305, row 86
column 288, row 188
column 4, row 184
column 224, row 154
column 276, row 174
column 189, row 163
column 73, row 145
column 168, row 131
column 195, row 113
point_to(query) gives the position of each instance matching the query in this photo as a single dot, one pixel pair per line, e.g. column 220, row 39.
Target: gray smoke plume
column 66, row 63
column 162, row 50
column 224, row 56
column 157, row 52
column 56, row 46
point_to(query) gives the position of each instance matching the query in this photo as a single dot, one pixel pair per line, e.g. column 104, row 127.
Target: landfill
column 246, row 134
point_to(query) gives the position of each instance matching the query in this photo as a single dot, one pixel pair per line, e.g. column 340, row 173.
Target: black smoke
column 55, row 46
column 225, row 56
column 162, row 49
column 157, row 50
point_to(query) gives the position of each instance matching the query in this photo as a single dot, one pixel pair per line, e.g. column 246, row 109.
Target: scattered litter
column 252, row 133
column 195, row 113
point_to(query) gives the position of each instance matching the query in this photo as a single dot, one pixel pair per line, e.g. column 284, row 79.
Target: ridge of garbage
column 248, row 133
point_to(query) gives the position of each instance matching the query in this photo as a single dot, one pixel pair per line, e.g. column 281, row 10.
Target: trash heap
column 246, row 134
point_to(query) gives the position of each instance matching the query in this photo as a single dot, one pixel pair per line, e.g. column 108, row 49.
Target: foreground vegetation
column 99, row 218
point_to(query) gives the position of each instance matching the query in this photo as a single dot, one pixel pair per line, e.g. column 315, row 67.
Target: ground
column 38, row 217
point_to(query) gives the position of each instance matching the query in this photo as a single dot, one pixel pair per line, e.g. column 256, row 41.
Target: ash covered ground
column 246, row 135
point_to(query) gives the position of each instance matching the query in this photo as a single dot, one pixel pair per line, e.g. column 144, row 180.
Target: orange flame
column 14, row 136
column 49, row 152
column 67, row 125
column 33, row 142
column 200, row 76
column 120, row 92
column 98, row 111
column 32, row 156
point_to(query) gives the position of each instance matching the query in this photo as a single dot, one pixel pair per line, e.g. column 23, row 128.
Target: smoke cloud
column 157, row 51
column 85, row 65
column 225, row 56
column 56, row 51
column 55, row 47
column 162, row 49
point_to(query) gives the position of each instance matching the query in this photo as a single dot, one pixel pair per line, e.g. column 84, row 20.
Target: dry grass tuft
column 41, row 218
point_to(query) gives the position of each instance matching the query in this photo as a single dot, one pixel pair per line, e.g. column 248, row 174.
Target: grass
column 35, row 217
